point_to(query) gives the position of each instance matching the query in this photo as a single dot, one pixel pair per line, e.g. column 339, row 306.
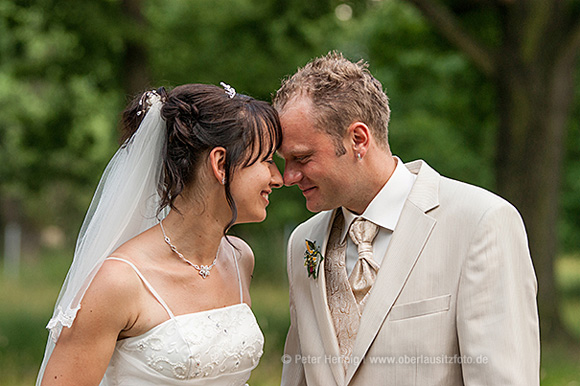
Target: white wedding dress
column 214, row 348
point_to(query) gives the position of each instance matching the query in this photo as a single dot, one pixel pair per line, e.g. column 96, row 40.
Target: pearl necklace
column 203, row 270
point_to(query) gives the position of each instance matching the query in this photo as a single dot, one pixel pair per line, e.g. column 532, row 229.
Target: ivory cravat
column 341, row 301
column 364, row 273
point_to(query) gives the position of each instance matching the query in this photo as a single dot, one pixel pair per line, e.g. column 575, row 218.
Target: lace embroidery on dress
column 225, row 340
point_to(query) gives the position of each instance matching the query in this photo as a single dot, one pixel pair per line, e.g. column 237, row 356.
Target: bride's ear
column 217, row 159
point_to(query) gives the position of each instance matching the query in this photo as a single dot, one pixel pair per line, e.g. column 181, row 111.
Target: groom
column 405, row 277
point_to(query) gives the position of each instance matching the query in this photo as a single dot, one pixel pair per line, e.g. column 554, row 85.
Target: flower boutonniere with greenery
column 312, row 258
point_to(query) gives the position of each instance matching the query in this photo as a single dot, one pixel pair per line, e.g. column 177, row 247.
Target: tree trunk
column 529, row 168
column 135, row 62
column 535, row 95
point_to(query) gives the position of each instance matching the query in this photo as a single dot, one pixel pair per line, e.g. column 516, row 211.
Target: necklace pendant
column 204, row 271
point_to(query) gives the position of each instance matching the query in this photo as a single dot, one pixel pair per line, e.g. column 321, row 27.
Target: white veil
column 124, row 205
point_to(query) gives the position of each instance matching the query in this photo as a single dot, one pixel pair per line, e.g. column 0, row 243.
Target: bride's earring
column 223, row 180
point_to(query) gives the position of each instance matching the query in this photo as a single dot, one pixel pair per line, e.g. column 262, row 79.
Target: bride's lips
column 265, row 194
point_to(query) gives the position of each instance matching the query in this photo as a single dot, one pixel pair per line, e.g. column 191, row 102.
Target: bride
column 162, row 299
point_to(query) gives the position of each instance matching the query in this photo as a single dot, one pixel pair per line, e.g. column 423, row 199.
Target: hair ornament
column 146, row 100
column 229, row 89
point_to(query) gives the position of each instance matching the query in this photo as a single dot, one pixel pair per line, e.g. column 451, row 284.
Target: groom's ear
column 217, row 159
column 359, row 137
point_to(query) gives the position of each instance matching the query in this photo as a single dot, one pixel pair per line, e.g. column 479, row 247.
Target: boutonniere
column 312, row 258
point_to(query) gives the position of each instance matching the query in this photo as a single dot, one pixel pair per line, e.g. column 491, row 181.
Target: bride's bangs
column 264, row 132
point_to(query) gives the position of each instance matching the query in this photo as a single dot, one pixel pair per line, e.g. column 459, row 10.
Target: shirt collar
column 385, row 209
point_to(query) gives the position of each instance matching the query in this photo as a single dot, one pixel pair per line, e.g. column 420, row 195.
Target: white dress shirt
column 384, row 210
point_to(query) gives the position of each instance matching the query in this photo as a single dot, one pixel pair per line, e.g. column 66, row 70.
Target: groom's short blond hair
column 341, row 92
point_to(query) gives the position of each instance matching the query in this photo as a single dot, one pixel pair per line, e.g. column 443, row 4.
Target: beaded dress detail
column 216, row 347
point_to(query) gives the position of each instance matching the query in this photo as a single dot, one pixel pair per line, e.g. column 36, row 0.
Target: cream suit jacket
column 454, row 302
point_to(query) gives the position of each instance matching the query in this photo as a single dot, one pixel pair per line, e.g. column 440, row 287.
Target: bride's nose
column 276, row 180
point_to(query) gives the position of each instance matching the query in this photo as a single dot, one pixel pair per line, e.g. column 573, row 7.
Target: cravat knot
column 362, row 232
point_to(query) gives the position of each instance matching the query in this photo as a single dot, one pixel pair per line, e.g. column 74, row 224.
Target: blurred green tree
column 59, row 84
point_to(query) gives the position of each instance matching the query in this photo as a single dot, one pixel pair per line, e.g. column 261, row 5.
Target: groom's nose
column 291, row 175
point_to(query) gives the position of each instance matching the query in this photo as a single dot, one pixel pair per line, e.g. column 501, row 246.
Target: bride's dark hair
column 200, row 117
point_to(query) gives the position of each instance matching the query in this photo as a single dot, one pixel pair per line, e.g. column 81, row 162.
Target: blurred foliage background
column 68, row 67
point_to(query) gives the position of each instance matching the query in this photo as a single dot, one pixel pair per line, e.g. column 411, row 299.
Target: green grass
column 561, row 360
column 26, row 305
column 270, row 304
column 568, row 270
column 560, row 364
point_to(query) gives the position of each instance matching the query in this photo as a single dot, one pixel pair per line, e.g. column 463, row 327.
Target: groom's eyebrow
column 294, row 155
column 299, row 150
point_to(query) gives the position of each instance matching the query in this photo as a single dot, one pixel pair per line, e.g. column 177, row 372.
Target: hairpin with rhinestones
column 229, row 89
column 146, row 101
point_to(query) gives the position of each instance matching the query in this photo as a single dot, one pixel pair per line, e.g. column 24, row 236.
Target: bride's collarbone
column 184, row 292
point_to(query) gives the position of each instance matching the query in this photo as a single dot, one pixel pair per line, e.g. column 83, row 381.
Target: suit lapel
column 410, row 236
column 320, row 234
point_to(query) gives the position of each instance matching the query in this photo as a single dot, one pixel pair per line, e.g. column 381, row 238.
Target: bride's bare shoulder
column 243, row 250
column 110, row 303
column 117, row 278
column 243, row 253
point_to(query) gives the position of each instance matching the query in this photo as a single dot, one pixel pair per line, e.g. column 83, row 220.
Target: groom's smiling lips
column 307, row 190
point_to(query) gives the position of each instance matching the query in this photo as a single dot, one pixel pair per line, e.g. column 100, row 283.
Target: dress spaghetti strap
column 147, row 284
